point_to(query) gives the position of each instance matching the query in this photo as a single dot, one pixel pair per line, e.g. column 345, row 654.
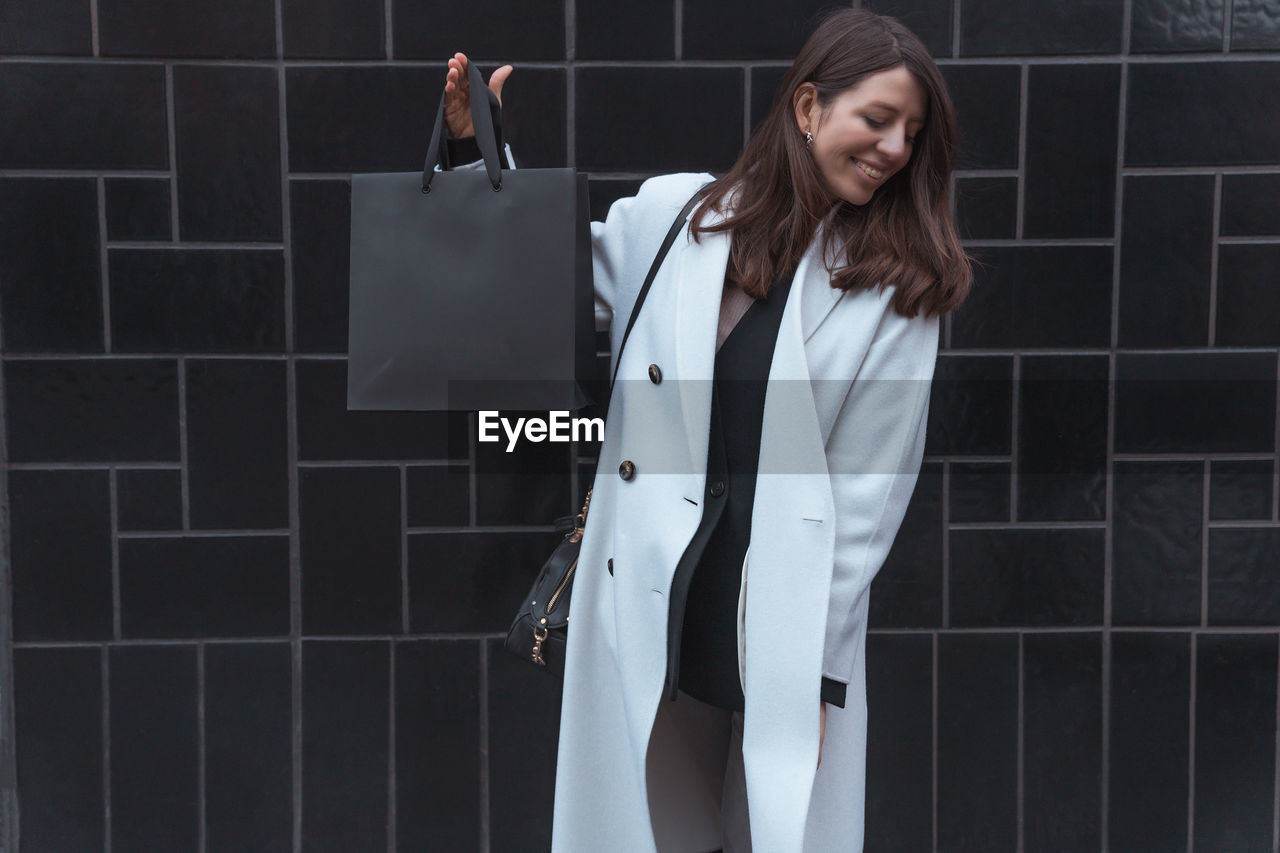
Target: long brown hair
column 904, row 236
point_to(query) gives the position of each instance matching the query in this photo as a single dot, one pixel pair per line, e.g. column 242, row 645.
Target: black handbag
column 540, row 631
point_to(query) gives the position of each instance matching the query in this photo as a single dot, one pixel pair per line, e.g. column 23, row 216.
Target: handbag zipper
column 564, row 581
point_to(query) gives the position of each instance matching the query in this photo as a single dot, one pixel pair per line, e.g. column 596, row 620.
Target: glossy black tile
column 345, row 744
column 60, row 555
column 197, row 300
column 1062, row 742
column 527, row 486
column 320, row 227
column 642, row 30
column 326, row 430
column 899, row 813
column 907, row 590
column 1254, row 25
column 758, row 29
column 986, row 99
column 1149, row 750
column 699, row 106
column 1164, row 99
column 350, row 541
column 1243, row 586
column 928, row 19
column 1166, row 260
column 993, row 28
column 765, row 85
column 971, row 406
column 115, row 410
column 1062, row 438
column 1158, row 512
column 987, row 208
column 237, row 444
column 438, row 495
column 603, row 193
column 1240, row 490
column 437, row 709
column 1160, row 26
column 534, row 111
column 1037, row 296
column 138, row 209
column 334, row 29
column 149, row 499
column 212, row 28
column 1248, row 299
column 1071, row 163
column 204, row 586
column 977, row 742
column 50, row 270
column 155, row 763
column 57, row 27
column 524, row 727
column 50, row 105
column 248, row 731
column 1189, row 403
column 1250, row 204
column 472, row 581
column 505, row 30
column 57, row 699
column 1235, row 708
column 225, row 115
column 980, row 491
column 1021, row 577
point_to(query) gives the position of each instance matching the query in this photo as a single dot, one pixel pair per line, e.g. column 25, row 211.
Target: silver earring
column 808, row 139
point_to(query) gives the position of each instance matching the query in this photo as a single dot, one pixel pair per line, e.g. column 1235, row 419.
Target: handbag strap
column 676, row 228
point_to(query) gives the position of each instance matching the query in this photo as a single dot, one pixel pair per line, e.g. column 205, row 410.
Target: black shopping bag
column 471, row 289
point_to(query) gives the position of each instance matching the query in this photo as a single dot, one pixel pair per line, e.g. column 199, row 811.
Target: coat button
column 655, row 374
column 627, row 469
column 611, row 566
column 717, row 488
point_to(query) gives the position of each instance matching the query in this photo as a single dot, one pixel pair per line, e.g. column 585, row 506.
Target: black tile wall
column 197, row 300
column 60, row 553
column 228, row 153
column 155, row 761
column 1235, row 707
column 200, row 534
column 437, row 744
column 1166, row 260
column 237, row 444
column 988, row 27
column 1149, row 749
column 1164, row 99
column 207, row 28
column 50, row 267
column 248, row 747
column 138, row 209
column 58, row 714
column 346, row 708
column 1158, row 512
column 204, row 586
column 1162, row 27
column 1073, row 112
column 899, row 742
column 48, row 105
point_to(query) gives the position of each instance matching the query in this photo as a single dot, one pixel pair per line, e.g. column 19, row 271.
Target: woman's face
column 866, row 134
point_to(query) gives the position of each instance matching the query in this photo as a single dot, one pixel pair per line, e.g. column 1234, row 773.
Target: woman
column 714, row 689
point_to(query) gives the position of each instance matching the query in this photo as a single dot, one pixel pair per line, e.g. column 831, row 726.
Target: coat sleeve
column 874, row 453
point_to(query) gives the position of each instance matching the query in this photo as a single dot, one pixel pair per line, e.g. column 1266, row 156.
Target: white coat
column 839, row 457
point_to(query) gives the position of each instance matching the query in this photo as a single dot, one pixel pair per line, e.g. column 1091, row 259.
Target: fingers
column 499, row 77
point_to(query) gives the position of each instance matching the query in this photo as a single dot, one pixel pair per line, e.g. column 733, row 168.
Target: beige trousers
column 699, row 750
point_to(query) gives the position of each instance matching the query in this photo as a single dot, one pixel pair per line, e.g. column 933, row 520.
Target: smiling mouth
column 874, row 174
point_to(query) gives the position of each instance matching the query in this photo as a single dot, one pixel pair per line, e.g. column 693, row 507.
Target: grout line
column 1191, row 749
column 1024, row 88
column 202, row 766
column 933, row 713
column 677, row 18
column 143, row 245
column 8, row 711
column 472, row 479
column 184, row 470
column 955, row 28
column 1228, row 17
column 1214, row 242
column 485, row 833
column 1014, row 445
column 171, row 123
column 391, row 751
column 946, row 543
column 114, row 512
column 571, row 87
column 104, row 271
column 746, row 104
column 1275, row 785
column 106, row 748
column 1022, row 736
column 405, row 627
column 389, row 44
column 1275, row 466
column 94, row 35
column 1206, row 470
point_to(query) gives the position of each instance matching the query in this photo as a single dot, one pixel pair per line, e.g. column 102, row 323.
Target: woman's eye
column 873, row 123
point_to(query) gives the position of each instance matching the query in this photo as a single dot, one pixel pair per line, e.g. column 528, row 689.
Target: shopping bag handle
column 481, row 120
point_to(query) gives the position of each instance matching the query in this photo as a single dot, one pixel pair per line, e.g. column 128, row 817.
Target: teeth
column 875, row 173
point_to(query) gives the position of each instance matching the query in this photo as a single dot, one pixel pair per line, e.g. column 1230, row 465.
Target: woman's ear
column 805, row 106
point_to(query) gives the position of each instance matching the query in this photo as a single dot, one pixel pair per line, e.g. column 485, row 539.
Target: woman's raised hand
column 457, row 95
